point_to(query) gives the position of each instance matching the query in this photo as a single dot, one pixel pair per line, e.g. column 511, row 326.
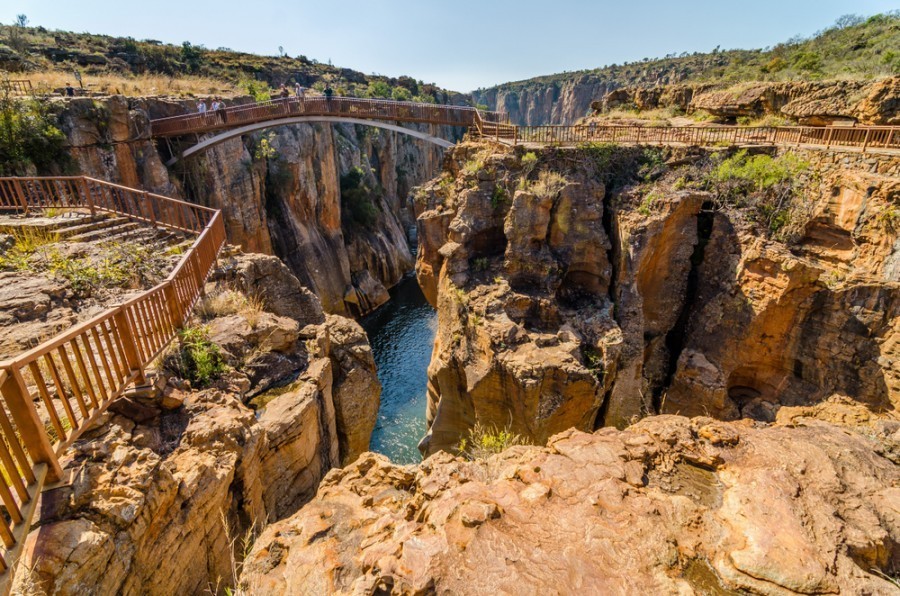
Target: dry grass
column 239, row 547
column 134, row 85
column 548, row 184
column 230, row 302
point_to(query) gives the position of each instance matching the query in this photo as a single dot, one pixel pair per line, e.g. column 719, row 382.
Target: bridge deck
column 349, row 107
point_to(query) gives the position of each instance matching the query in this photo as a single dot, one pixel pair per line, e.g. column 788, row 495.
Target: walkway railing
column 351, row 107
column 862, row 137
column 17, row 86
column 56, row 390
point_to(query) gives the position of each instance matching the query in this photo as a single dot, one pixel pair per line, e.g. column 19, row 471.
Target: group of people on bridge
column 284, row 94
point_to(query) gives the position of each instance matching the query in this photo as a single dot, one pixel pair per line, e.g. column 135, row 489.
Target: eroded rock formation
column 668, row 506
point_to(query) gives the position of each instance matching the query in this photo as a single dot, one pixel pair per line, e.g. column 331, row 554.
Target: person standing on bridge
column 201, row 106
column 218, row 107
column 328, row 93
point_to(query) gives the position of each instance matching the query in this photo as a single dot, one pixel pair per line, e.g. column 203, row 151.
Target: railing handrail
column 84, row 369
column 865, row 137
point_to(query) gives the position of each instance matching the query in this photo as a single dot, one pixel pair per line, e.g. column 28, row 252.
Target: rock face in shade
column 283, row 201
column 176, row 478
column 668, row 506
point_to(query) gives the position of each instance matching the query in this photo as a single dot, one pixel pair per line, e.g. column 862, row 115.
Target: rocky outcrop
column 777, row 326
column 556, row 102
column 521, row 281
column 668, row 506
column 182, row 475
column 564, row 304
column 279, row 190
column 812, row 103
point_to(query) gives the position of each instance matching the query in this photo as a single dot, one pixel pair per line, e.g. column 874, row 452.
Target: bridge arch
column 236, row 132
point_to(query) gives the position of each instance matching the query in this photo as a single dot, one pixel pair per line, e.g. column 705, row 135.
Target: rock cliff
column 279, row 190
column 168, row 484
column 594, row 286
column 810, row 103
column 806, row 102
column 668, row 506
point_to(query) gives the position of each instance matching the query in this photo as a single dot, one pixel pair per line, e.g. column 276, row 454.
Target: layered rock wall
column 555, row 101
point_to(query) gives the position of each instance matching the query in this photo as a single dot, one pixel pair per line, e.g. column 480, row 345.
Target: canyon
column 654, row 369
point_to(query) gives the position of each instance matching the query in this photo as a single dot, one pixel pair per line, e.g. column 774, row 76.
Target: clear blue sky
column 459, row 44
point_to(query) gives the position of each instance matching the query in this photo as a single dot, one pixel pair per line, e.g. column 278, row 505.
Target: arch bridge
column 242, row 119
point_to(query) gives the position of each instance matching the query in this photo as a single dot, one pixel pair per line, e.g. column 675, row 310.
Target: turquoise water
column 401, row 334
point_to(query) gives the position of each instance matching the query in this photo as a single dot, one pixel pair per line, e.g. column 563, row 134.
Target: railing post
column 87, row 196
column 31, row 430
column 17, row 184
column 173, row 305
column 129, row 346
column 866, row 140
column 828, row 138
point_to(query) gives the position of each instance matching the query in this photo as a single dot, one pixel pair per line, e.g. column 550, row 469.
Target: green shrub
column 593, row 361
column 485, row 441
column 379, row 89
column 401, row 94
column 358, row 199
column 499, row 196
column 196, row 358
column 29, row 138
column 764, row 185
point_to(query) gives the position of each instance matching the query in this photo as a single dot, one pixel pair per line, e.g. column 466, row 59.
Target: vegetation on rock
column 30, row 142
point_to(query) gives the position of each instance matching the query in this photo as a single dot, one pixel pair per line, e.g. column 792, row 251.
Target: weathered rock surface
column 178, row 477
column 774, row 326
column 668, row 506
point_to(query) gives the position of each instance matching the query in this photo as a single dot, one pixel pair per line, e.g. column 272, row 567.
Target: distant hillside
column 854, row 48
column 128, row 66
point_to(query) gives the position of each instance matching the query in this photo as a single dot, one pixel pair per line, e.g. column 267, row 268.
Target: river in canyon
column 402, row 335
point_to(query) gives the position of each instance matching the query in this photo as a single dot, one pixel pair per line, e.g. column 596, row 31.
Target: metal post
column 20, row 194
column 866, row 140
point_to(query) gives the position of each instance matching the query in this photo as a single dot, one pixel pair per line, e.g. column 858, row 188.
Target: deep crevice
column 677, row 335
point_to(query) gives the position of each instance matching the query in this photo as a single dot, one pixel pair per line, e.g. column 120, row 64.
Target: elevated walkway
column 72, row 378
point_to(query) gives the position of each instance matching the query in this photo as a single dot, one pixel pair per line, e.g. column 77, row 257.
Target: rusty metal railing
column 53, row 392
column 350, row 107
column 861, row 137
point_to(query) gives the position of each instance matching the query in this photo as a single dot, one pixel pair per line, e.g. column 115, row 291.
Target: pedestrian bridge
column 242, row 119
